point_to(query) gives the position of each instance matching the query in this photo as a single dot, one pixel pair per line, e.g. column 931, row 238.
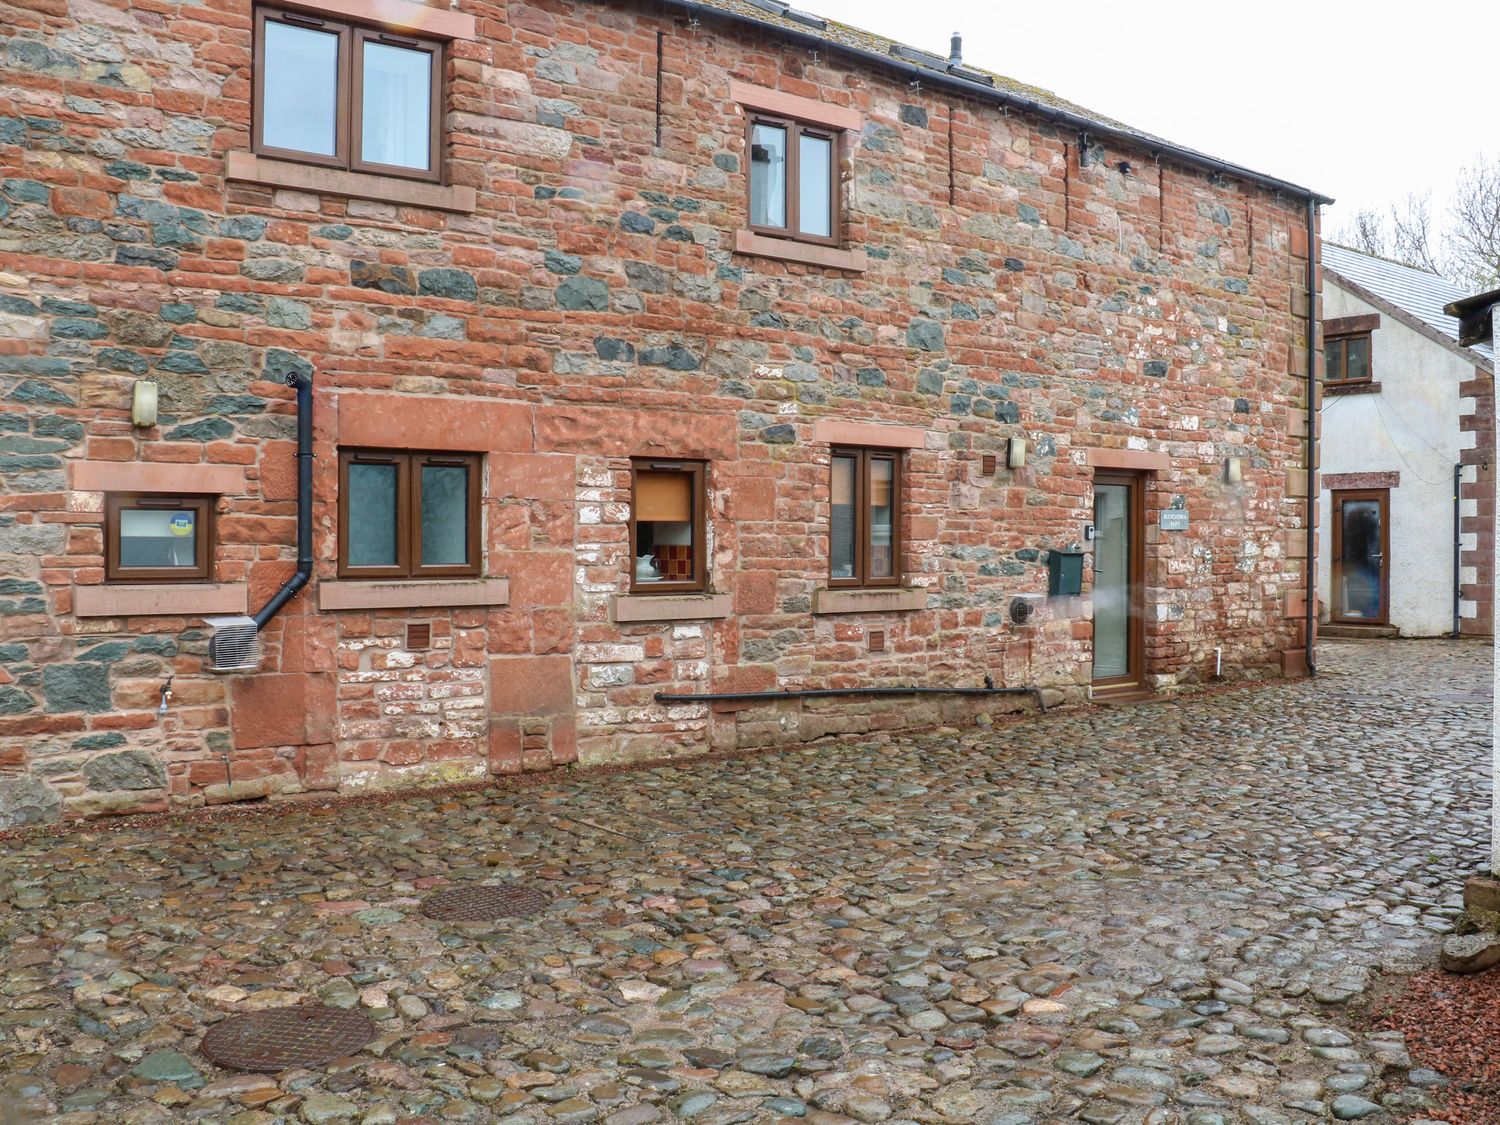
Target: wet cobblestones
column 1166, row 913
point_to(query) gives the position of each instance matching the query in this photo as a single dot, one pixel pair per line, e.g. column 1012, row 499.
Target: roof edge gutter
column 1066, row 118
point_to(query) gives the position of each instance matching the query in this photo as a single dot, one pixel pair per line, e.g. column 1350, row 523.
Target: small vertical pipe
column 1250, row 234
column 1067, row 185
column 1310, row 563
column 1161, row 205
column 660, row 53
column 952, row 180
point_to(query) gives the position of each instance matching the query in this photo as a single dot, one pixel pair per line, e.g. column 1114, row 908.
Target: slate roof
column 779, row 15
column 1418, row 293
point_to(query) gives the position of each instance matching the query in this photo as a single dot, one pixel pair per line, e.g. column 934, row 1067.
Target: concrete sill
column 894, row 600
column 424, row 594
column 247, row 167
column 670, row 607
column 808, row 253
column 161, row 599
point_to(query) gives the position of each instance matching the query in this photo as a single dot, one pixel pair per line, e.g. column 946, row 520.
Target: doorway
column 1119, row 568
column 1361, row 567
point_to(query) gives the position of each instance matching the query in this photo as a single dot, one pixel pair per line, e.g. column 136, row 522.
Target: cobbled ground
column 1170, row 912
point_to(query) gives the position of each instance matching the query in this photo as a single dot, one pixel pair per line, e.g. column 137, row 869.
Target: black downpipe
column 834, row 693
column 1314, row 489
column 1458, row 525
column 303, row 385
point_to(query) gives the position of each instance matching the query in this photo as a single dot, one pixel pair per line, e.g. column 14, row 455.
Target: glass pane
column 153, row 538
column 1333, row 359
column 841, row 520
column 814, row 167
column 300, row 104
column 768, row 176
column 882, row 518
column 372, row 503
column 1358, row 353
column 445, row 515
column 396, row 106
column 1111, row 580
column 1361, row 559
column 664, row 551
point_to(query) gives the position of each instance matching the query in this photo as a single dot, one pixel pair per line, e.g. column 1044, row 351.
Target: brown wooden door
column 1119, row 572
column 1361, row 557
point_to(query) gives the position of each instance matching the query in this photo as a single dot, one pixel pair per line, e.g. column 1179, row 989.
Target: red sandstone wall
column 592, row 308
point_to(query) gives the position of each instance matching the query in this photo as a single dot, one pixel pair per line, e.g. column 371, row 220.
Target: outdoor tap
column 166, row 694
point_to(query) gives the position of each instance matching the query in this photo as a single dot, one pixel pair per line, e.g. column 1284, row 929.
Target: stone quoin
column 577, row 306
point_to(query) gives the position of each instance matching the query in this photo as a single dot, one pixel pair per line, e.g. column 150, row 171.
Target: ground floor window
column 408, row 515
column 865, row 521
column 668, row 505
column 154, row 538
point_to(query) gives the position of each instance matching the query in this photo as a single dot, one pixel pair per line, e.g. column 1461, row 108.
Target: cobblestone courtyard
column 1167, row 913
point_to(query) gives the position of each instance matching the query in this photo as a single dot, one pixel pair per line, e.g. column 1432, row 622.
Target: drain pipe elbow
column 303, row 386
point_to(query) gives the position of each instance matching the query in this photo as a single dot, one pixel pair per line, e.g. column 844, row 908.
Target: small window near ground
column 1347, row 359
column 668, row 503
column 865, row 518
column 346, row 96
column 153, row 538
column 408, row 515
column 794, row 180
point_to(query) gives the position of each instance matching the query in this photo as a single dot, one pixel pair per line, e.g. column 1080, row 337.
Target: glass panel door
column 1359, row 577
column 1112, row 581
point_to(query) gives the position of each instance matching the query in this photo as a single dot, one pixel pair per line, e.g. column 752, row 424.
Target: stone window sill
column 164, row 599
column 247, row 167
column 1366, row 388
column 423, row 594
column 670, row 607
column 808, row 253
column 894, row 600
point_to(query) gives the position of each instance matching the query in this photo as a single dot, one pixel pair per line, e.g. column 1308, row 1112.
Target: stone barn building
column 649, row 350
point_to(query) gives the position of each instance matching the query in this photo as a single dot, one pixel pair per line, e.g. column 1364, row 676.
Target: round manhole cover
column 277, row 1038
column 483, row 904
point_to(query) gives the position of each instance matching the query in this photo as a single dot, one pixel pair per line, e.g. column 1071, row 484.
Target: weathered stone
column 76, row 687
column 583, row 294
column 27, row 800
column 131, row 769
column 451, row 283
column 396, row 280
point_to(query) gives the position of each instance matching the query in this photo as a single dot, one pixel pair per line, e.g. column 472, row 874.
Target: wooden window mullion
column 794, row 178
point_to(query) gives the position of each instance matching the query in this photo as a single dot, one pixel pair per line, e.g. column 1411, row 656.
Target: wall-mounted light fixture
column 1015, row 453
column 1233, row 473
column 143, row 404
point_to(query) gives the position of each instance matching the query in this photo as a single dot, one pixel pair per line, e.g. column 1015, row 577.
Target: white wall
column 1409, row 427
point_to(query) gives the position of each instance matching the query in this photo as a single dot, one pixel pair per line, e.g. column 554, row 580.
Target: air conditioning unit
column 233, row 645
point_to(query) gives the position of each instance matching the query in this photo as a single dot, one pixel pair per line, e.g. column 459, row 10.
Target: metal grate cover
column 483, row 904
column 277, row 1038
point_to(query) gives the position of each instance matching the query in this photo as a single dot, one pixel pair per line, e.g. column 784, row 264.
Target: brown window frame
column 202, row 571
column 698, row 471
column 349, row 110
column 794, row 132
column 1343, row 338
column 409, row 466
column 864, row 456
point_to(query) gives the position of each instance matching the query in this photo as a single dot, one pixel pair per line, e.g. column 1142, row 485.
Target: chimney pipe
column 956, row 50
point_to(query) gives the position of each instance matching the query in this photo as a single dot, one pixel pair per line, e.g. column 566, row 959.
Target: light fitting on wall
column 143, row 404
column 1015, row 453
column 1233, row 473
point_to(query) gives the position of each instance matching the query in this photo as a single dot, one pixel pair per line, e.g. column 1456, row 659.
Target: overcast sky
column 1363, row 102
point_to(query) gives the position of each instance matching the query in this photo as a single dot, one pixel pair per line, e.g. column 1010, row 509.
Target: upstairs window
column 865, row 521
column 154, row 538
column 1347, row 358
column 794, row 180
column 408, row 515
column 346, row 96
column 1347, row 348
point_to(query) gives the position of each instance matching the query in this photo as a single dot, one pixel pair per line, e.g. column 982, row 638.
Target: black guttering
column 1065, row 118
column 1475, row 325
column 302, row 383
